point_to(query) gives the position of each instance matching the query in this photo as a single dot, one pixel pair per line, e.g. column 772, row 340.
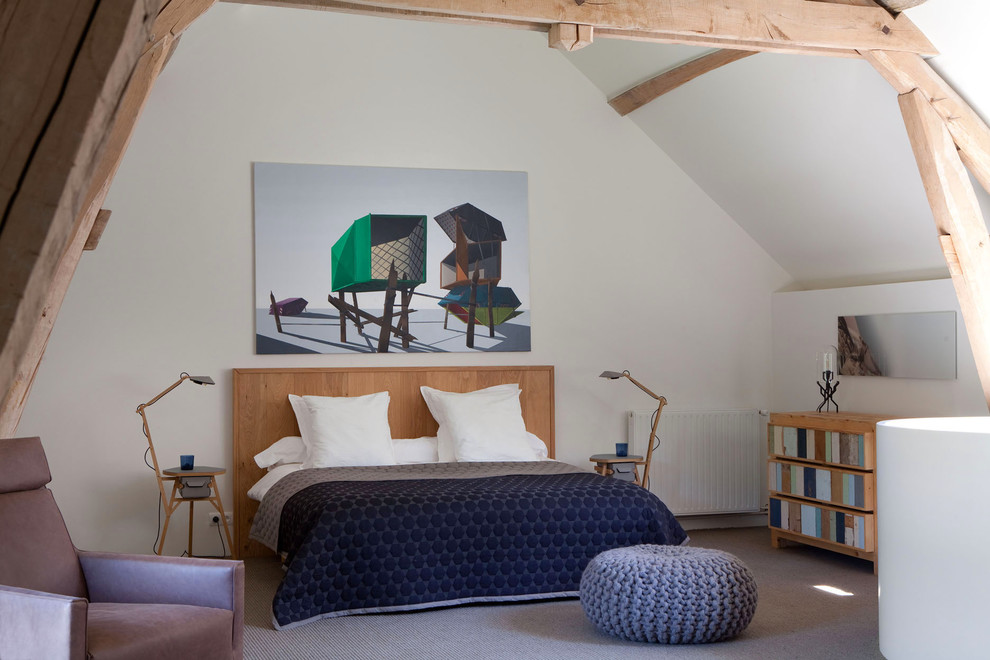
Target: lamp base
column 828, row 391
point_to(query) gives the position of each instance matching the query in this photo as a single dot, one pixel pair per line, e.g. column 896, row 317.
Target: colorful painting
column 378, row 260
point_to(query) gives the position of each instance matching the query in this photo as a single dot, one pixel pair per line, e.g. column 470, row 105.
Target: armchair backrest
column 35, row 549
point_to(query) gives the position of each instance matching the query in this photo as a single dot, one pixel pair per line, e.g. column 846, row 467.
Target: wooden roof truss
column 75, row 79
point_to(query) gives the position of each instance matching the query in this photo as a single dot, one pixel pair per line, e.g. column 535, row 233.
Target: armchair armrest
column 122, row 578
column 37, row 624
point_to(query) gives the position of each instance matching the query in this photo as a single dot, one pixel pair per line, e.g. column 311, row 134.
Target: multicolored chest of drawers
column 821, row 477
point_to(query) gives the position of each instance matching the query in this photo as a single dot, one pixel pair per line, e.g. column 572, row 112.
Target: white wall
column 632, row 265
column 805, row 320
column 805, row 152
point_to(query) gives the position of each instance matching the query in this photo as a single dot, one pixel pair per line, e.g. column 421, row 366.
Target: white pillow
column 538, row 446
column 349, row 431
column 302, row 420
column 424, row 450
column 415, row 450
column 289, row 449
column 445, row 445
column 438, row 400
column 485, row 425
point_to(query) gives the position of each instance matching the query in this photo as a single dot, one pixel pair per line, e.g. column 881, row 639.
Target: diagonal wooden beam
column 907, row 72
column 643, row 93
column 158, row 46
column 27, row 95
column 775, row 25
column 73, row 81
column 948, row 137
column 138, row 88
column 961, row 227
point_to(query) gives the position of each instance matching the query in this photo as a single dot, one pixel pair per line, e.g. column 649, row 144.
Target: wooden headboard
column 262, row 413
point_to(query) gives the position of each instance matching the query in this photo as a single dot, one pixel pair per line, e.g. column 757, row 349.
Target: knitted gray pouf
column 668, row 594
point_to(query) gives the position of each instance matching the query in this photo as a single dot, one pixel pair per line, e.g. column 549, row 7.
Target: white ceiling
column 808, row 154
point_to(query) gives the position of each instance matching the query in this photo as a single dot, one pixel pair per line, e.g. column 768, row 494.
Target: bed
column 406, row 537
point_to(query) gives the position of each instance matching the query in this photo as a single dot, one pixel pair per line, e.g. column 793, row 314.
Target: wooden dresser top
column 849, row 422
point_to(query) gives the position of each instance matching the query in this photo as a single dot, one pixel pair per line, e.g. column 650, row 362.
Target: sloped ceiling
column 808, row 154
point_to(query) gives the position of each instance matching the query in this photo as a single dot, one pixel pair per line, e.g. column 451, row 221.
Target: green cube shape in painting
column 361, row 257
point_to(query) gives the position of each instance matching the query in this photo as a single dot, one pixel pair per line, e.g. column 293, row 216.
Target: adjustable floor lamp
column 661, row 401
column 171, row 503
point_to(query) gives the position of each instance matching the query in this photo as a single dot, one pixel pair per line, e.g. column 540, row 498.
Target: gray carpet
column 793, row 619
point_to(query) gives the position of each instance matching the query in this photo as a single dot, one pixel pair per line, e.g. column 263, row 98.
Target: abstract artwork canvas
column 378, row 259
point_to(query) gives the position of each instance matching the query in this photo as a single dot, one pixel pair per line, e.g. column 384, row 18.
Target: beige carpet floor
column 793, row 619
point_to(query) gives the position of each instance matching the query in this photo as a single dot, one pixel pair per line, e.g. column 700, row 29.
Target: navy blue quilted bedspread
column 376, row 546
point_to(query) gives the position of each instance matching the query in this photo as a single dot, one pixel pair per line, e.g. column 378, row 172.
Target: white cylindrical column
column 933, row 537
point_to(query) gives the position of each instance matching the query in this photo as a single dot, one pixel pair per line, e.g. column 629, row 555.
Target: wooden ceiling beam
column 643, row 93
column 90, row 219
column 703, row 41
column 958, row 218
column 64, row 72
column 950, row 140
column 773, row 25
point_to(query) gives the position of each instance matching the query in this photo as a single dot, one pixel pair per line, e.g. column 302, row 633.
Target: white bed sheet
column 257, row 491
column 415, row 450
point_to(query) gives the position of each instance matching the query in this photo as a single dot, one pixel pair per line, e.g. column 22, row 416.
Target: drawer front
column 821, row 522
column 852, row 449
column 841, row 487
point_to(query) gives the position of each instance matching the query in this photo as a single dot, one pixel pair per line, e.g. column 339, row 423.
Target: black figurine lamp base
column 828, row 391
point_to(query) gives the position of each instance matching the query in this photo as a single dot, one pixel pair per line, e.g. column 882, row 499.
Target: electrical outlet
column 215, row 518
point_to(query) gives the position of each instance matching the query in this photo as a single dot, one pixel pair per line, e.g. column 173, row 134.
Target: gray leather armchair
column 58, row 602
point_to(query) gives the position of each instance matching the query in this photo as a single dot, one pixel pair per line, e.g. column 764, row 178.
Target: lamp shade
column 827, row 362
column 611, row 374
column 202, row 380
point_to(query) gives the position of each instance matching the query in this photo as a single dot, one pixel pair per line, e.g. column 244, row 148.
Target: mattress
column 408, row 537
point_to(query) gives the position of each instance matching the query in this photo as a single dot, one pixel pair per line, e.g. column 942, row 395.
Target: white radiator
column 707, row 462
